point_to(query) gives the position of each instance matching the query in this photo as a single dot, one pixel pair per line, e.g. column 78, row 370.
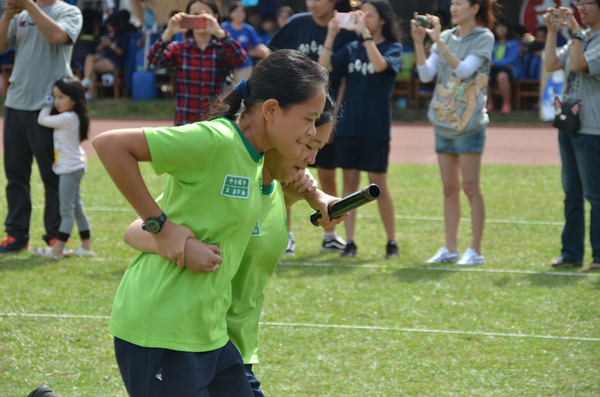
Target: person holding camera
column 43, row 31
column 579, row 150
column 460, row 58
column 202, row 61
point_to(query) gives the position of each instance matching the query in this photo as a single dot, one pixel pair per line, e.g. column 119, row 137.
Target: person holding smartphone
column 460, row 58
column 201, row 62
column 580, row 151
column 306, row 32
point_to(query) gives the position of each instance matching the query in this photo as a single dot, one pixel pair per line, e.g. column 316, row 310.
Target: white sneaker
column 87, row 83
column 80, row 251
column 291, row 248
column 470, row 258
column 443, row 256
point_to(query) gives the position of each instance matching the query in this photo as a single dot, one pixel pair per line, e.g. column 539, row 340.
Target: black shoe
column 391, row 250
column 561, row 262
column 350, row 250
column 42, row 391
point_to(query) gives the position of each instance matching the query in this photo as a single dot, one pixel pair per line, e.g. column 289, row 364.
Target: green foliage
column 352, row 327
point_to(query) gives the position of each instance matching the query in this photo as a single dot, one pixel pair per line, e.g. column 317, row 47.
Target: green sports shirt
column 213, row 188
column 267, row 245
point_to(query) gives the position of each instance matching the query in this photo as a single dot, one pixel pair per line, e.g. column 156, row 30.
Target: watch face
column 152, row 226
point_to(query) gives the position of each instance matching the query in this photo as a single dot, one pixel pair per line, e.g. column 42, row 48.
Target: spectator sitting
column 283, row 14
column 267, row 29
column 109, row 56
column 89, row 39
column 505, row 65
column 532, row 61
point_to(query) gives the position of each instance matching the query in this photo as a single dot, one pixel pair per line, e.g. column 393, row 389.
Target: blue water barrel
column 144, row 86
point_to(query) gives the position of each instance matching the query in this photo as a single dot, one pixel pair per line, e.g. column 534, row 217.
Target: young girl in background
column 70, row 129
column 362, row 139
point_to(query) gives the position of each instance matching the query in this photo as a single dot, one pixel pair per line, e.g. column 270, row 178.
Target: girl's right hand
column 417, row 33
column 201, row 257
column 551, row 25
column 170, row 242
column 173, row 26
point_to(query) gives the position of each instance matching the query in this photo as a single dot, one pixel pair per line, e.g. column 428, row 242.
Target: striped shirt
column 199, row 73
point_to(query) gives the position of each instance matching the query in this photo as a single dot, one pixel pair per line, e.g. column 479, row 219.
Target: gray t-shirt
column 38, row 62
column 579, row 87
column 457, row 109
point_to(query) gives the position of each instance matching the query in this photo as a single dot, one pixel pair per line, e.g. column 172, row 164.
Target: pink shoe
column 506, row 109
column 490, row 107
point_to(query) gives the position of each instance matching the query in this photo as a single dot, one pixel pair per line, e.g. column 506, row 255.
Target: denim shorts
column 471, row 144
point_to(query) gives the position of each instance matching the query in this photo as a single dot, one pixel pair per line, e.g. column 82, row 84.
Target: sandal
column 595, row 265
column 561, row 262
column 44, row 252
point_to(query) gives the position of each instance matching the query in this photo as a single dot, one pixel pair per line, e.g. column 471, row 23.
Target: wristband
column 445, row 51
column 327, row 48
column 367, row 38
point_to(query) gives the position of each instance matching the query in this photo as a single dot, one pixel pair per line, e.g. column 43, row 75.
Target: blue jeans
column 580, row 156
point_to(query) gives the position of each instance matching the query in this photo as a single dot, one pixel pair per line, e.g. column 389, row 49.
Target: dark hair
column 210, row 3
column 288, row 76
column 71, row 87
column 391, row 29
column 235, row 5
column 486, row 14
column 114, row 22
column 344, row 6
column 328, row 115
column 509, row 30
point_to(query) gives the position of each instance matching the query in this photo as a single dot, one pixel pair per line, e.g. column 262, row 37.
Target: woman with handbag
column 578, row 118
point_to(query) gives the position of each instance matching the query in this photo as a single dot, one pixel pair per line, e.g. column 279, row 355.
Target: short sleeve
column 592, row 57
column 11, row 36
column 484, row 47
column 71, row 21
column 255, row 38
column 186, row 152
column 393, row 56
column 340, row 60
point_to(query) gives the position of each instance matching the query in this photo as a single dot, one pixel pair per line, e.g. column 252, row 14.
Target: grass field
column 332, row 327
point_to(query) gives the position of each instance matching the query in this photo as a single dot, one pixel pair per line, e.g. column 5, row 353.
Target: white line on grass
column 443, row 269
column 350, row 327
column 408, row 218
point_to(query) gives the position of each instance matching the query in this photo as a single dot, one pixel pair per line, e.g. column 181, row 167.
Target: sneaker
column 333, row 244
column 10, row 245
column 291, row 248
column 45, row 252
column 443, row 256
column 470, row 258
column 42, row 391
column 87, row 83
column 506, row 109
column 391, row 250
column 490, row 107
column 80, row 251
column 350, row 250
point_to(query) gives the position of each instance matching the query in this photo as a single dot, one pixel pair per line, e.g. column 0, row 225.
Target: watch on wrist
column 577, row 36
column 154, row 225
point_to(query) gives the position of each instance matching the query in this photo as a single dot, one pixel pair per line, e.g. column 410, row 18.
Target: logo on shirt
column 359, row 66
column 312, row 48
column 23, row 24
column 236, row 186
column 256, row 231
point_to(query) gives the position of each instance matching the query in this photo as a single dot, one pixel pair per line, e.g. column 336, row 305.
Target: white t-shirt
column 68, row 153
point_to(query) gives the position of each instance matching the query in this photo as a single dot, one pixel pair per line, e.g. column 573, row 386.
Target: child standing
column 70, row 129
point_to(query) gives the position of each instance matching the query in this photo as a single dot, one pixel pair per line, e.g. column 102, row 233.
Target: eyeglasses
column 581, row 4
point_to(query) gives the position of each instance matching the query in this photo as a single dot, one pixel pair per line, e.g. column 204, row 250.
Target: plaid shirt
column 199, row 73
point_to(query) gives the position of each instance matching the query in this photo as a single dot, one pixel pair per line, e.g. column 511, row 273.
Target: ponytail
column 487, row 10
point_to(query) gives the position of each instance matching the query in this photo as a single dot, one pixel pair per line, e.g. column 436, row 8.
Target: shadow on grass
column 319, row 264
column 419, row 273
column 22, row 261
column 552, row 280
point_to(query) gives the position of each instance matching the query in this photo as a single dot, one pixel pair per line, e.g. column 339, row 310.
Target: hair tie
column 242, row 88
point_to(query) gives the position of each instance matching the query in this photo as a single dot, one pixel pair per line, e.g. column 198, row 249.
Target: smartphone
column 557, row 16
column 346, row 20
column 193, row 22
column 423, row 21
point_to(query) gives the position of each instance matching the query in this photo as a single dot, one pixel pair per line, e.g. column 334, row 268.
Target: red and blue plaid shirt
column 199, row 73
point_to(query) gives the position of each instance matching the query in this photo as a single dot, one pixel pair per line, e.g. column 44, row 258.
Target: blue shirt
column 367, row 109
column 303, row 34
column 247, row 37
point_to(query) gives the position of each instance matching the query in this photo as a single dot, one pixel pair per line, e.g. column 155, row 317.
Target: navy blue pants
column 25, row 139
column 153, row 372
column 254, row 383
column 580, row 156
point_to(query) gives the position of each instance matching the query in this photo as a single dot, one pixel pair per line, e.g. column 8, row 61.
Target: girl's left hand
column 436, row 28
column 213, row 27
column 302, row 182
column 361, row 27
column 571, row 22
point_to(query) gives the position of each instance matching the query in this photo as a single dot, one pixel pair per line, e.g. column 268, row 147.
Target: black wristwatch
column 154, row 225
column 577, row 36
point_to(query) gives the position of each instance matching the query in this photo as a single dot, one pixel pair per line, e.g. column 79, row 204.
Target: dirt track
column 414, row 143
